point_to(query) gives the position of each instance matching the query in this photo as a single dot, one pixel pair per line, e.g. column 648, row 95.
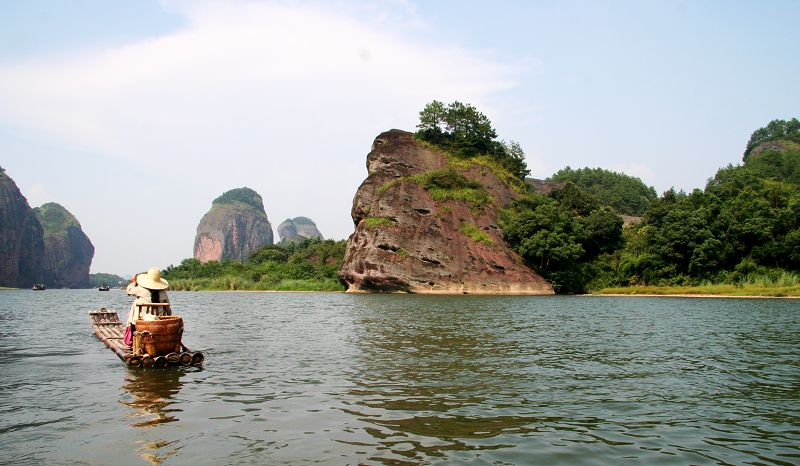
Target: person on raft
column 148, row 288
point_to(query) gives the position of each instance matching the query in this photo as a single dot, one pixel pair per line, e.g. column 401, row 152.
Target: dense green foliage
column 779, row 165
column 54, row 218
column 310, row 264
column 626, row 194
column 449, row 184
column 775, row 130
column 464, row 131
column 744, row 226
column 561, row 234
column 375, row 222
column 743, row 229
column 476, row 234
column 243, row 195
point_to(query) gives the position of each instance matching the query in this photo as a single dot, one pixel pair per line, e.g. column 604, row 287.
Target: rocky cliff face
column 68, row 252
column 408, row 242
column 297, row 229
column 234, row 228
column 780, row 145
column 21, row 239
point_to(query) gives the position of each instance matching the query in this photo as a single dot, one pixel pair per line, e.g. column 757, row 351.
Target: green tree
column 512, row 158
column 462, row 130
column 561, row 235
column 626, row 194
column 432, row 121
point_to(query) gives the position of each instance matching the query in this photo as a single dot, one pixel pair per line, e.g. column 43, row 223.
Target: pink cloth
column 128, row 336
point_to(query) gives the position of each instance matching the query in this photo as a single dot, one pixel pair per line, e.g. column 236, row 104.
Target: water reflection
column 152, row 396
column 434, row 381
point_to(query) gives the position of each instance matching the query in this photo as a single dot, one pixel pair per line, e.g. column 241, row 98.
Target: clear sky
column 135, row 115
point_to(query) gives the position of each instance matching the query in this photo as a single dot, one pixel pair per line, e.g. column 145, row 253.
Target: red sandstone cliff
column 234, row 228
column 408, row 242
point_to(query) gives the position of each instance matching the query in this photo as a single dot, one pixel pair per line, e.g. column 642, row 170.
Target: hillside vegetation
column 743, row 229
column 625, row 194
column 241, row 195
column 308, row 265
column 97, row 279
column 776, row 130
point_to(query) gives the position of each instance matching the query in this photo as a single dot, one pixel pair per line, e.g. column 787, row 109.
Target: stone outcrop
column 405, row 241
column 297, row 229
column 68, row 252
column 21, row 239
column 780, row 145
column 543, row 187
column 234, row 228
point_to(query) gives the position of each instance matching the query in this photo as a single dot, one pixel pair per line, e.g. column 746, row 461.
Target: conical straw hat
column 152, row 280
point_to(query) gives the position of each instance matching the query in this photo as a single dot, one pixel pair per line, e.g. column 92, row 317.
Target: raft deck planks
column 108, row 328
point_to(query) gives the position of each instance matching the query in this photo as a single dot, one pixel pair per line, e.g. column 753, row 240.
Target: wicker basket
column 160, row 336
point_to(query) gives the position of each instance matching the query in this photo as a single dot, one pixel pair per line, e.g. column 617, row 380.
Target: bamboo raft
column 109, row 330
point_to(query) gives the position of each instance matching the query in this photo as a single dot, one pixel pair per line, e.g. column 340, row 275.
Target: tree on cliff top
column 462, row 129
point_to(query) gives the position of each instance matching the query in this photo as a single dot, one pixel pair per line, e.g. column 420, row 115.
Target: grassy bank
column 310, row 265
column 234, row 283
column 710, row 289
column 784, row 284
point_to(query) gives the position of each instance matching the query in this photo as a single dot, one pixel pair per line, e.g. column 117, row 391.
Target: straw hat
column 152, row 280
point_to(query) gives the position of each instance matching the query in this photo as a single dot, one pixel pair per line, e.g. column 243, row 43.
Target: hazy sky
column 135, row 115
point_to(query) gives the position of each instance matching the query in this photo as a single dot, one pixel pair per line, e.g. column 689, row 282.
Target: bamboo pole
column 111, row 346
column 148, row 361
column 197, row 359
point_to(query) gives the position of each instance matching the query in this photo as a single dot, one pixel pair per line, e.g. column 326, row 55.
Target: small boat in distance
column 104, row 287
column 39, row 287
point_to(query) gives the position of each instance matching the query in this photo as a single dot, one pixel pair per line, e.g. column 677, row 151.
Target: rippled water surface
column 298, row 378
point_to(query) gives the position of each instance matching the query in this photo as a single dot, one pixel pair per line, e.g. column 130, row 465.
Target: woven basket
column 160, row 336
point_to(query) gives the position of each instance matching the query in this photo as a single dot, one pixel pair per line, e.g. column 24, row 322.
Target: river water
column 300, row 378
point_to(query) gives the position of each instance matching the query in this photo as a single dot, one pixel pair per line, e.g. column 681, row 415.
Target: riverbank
column 231, row 283
column 706, row 291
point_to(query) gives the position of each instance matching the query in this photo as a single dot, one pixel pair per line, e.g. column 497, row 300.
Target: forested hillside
column 744, row 227
column 626, row 194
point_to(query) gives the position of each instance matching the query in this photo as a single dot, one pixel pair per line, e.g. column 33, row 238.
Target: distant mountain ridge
column 68, row 252
column 298, row 229
column 41, row 245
